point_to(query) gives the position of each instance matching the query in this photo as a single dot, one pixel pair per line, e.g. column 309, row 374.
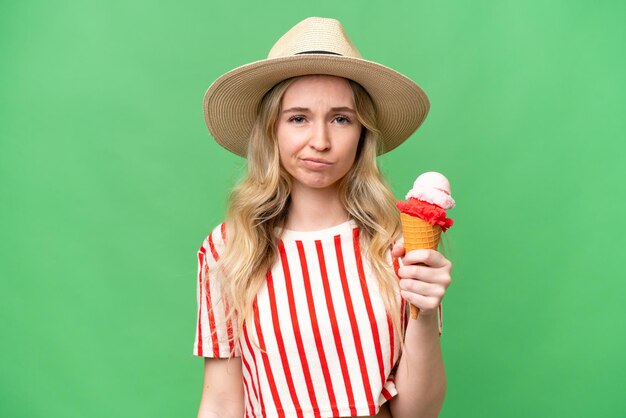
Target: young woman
column 303, row 290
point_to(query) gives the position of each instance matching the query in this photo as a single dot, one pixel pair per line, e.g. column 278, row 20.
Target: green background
column 109, row 182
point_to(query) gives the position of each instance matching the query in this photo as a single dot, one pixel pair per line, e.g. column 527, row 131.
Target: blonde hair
column 259, row 204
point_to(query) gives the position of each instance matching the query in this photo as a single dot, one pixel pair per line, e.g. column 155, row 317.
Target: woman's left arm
column 420, row 377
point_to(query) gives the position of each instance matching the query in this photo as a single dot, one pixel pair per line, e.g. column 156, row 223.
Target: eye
column 296, row 119
column 342, row 120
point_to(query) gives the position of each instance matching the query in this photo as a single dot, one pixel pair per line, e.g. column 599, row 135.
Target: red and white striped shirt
column 319, row 343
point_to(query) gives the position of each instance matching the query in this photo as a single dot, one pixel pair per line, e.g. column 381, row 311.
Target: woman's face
column 318, row 131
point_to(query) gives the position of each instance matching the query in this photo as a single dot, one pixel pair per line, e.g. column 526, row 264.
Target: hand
column 424, row 277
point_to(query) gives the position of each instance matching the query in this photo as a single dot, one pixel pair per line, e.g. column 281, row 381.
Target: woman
column 301, row 312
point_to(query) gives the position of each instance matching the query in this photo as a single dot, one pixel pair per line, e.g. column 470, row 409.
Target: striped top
column 319, row 342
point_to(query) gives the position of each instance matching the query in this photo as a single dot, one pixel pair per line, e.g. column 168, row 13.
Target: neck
column 314, row 209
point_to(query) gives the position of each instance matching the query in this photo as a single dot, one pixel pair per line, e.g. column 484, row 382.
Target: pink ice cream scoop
column 432, row 187
column 429, row 199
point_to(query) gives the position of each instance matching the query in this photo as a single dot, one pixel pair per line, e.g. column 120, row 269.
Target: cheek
column 348, row 159
column 288, row 139
column 282, row 139
column 283, row 153
column 287, row 150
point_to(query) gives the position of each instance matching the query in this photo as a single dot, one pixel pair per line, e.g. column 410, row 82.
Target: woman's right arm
column 222, row 392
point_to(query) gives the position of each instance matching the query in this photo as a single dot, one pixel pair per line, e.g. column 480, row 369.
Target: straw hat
column 313, row 46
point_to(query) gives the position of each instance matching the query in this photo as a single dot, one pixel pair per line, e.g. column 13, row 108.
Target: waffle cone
column 418, row 234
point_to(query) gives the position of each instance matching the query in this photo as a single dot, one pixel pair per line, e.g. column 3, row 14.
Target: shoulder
column 213, row 245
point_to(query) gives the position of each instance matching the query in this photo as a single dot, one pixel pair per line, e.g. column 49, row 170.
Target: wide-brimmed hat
column 313, row 46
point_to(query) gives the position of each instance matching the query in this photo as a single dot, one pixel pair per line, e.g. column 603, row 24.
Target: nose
column 320, row 139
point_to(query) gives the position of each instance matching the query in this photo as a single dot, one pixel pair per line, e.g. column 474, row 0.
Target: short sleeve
column 214, row 333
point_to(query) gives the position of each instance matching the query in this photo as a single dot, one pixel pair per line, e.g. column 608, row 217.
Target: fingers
column 426, row 296
column 426, row 265
column 423, row 288
column 427, row 305
column 398, row 249
column 424, row 278
column 430, row 258
column 426, row 274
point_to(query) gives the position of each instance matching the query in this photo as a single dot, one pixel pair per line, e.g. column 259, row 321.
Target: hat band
column 318, row 52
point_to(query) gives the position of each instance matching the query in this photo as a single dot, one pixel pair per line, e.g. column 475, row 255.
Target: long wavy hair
column 259, row 204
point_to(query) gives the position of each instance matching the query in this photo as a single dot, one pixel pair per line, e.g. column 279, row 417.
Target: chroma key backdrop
column 109, row 182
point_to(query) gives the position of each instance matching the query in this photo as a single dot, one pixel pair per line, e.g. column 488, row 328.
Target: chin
column 318, row 185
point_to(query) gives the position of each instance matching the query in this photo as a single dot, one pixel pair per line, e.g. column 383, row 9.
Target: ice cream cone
column 418, row 234
column 423, row 214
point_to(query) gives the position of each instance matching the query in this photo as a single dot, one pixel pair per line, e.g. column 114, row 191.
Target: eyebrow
column 306, row 109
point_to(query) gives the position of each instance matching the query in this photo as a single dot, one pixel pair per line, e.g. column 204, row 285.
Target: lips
column 315, row 163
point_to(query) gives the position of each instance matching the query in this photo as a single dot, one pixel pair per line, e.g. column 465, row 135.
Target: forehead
column 316, row 88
